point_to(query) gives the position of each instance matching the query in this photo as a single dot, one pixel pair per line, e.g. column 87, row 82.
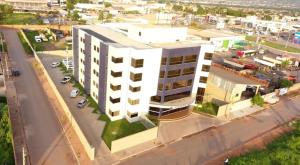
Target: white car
column 74, row 92
column 55, row 64
column 65, row 80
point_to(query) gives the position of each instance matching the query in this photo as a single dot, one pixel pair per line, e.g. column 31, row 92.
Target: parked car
column 82, row 103
column 65, row 80
column 74, row 92
column 15, row 72
column 55, row 64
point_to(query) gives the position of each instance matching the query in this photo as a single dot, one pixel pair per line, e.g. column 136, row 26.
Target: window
column 177, row 96
column 203, row 79
column 98, row 49
column 116, row 74
column 200, row 94
column 133, row 102
column 208, row 56
column 191, row 58
column 81, row 39
column 94, row 47
column 168, row 86
column 137, row 63
column 164, row 61
column 134, row 89
column 135, row 77
column 95, row 60
column 81, row 50
column 187, row 71
column 160, row 87
column 173, row 73
column 117, row 60
column 162, row 74
column 132, row 115
column 182, row 83
column 156, row 98
column 116, row 100
column 115, row 87
column 140, row 33
column 205, row 68
column 114, row 113
column 175, row 60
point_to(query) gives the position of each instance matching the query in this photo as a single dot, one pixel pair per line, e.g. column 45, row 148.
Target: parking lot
column 86, row 119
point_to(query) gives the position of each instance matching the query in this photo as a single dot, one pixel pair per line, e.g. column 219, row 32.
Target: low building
column 140, row 69
column 230, row 86
column 221, row 39
column 28, row 5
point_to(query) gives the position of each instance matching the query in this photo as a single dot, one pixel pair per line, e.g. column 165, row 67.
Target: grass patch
column 283, row 150
column 117, row 129
column 6, row 148
column 25, row 44
column 64, row 69
column 209, row 108
column 274, row 45
column 3, row 48
column 38, row 46
column 93, row 104
column 154, row 119
column 21, row 19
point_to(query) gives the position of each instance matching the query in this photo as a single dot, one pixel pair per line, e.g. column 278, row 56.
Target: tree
column 201, row 10
column 107, row 4
column 5, row 10
column 70, row 4
column 101, row 15
column 257, row 100
column 177, row 8
column 285, row 83
column 75, row 16
column 285, row 63
column 267, row 17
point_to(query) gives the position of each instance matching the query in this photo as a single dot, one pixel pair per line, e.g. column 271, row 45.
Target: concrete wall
column 294, row 87
column 90, row 150
column 133, row 140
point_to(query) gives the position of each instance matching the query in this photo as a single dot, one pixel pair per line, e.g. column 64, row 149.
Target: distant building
column 140, row 69
column 30, row 5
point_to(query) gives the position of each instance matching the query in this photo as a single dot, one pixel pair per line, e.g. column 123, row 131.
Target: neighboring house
column 28, row 5
column 221, row 39
column 140, row 69
column 229, row 86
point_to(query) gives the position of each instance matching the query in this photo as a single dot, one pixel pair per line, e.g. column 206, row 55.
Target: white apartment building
column 134, row 70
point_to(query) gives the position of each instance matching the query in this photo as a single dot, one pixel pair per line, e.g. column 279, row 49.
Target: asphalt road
column 46, row 142
column 206, row 146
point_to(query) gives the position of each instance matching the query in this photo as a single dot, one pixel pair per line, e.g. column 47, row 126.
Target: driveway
column 44, row 137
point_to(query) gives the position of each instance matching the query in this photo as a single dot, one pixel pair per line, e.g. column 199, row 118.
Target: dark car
column 15, row 72
column 82, row 103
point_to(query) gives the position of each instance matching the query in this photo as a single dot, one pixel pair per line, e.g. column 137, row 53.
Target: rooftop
column 213, row 33
column 233, row 76
column 119, row 37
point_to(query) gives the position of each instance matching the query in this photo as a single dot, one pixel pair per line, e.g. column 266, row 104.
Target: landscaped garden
column 284, row 150
column 117, row 129
column 209, row 108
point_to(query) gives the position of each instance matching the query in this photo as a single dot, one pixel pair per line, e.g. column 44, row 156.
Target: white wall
column 81, row 56
column 95, row 66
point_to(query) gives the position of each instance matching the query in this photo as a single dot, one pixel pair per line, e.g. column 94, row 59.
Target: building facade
column 131, row 71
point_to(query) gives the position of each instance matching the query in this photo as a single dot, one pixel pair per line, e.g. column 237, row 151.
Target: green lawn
column 274, row 45
column 21, row 19
column 38, row 46
column 283, row 151
column 3, row 47
column 6, row 148
column 117, row 129
column 25, row 44
column 209, row 108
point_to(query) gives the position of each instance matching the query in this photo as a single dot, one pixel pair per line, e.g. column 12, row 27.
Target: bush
column 209, row 108
column 257, row 100
column 285, row 83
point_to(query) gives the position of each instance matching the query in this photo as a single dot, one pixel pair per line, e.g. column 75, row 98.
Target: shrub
column 285, row 83
column 209, row 108
column 257, row 100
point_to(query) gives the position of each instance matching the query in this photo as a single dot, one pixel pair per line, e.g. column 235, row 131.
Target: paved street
column 46, row 142
column 202, row 147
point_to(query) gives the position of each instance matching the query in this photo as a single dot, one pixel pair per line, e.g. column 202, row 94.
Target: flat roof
column 213, row 33
column 119, row 38
column 228, row 75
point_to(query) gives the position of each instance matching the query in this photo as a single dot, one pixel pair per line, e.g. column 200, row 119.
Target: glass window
column 133, row 102
column 160, row 86
column 187, row 71
column 156, row 98
column 115, row 87
column 132, row 115
column 175, row 60
column 173, row 73
column 117, row 60
column 208, row 56
column 205, row 68
column 137, row 63
column 164, row 61
column 191, row 58
column 134, row 89
column 168, row 86
column 116, row 100
column 162, row 74
column 135, row 77
column 203, row 79
column 116, row 74
column 114, row 113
